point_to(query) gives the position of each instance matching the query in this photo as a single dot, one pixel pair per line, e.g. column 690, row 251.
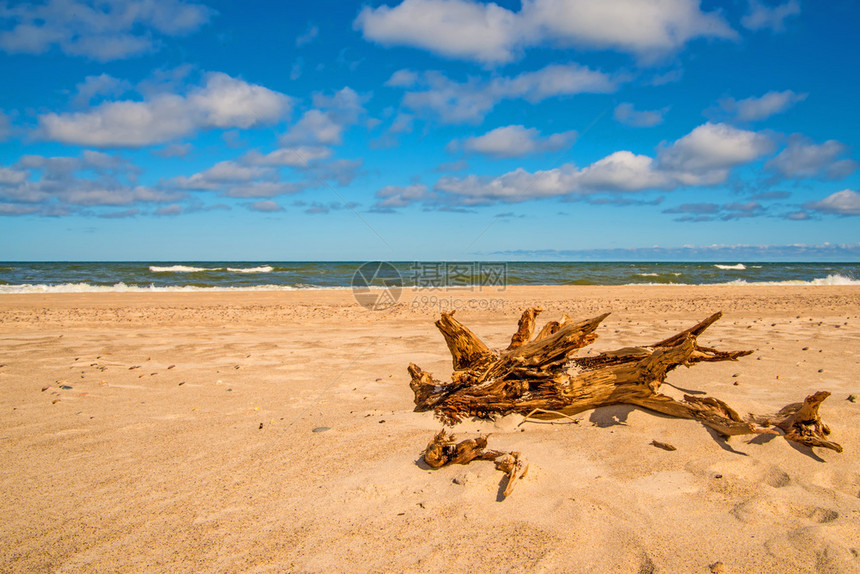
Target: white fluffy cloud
column 308, row 36
column 553, row 80
column 222, row 102
column 266, row 206
column 314, row 127
column 5, row 126
column 490, row 34
column 121, row 124
column 99, row 30
column 642, row 28
column 392, row 196
column 451, row 28
column 226, row 102
column 761, row 108
column 326, row 122
column 515, row 186
column 803, row 158
column 845, row 202
column 434, row 94
column 10, row 176
column 9, row 209
column 714, row 147
column 623, row 171
column 298, row 156
column 698, row 212
column 449, row 101
column 516, row 141
column 626, row 114
column 102, row 84
column 259, row 175
column 763, row 17
column 60, row 185
column 222, row 174
column 703, row 157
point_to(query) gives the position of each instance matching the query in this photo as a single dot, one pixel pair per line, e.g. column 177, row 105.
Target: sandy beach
column 274, row 432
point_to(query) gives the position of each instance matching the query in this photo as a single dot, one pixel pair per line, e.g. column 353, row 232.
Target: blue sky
column 429, row 129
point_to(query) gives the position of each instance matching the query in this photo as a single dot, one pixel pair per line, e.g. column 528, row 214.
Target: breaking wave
column 189, row 269
column 123, row 288
column 181, row 269
column 261, row 269
column 829, row 280
column 738, row 267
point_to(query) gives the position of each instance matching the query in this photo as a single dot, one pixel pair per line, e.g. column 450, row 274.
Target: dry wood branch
column 514, row 467
column 802, row 423
column 525, row 329
column 542, row 375
column 552, row 327
column 693, row 331
column 467, row 350
column 552, row 414
column 444, row 450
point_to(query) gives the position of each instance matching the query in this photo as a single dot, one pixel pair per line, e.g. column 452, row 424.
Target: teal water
column 17, row 277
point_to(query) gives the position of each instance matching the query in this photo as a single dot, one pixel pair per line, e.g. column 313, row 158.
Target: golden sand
column 171, row 432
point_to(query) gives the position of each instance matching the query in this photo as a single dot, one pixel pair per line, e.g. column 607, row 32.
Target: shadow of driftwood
column 500, row 495
column 611, row 415
column 803, row 449
column 762, row 438
column 721, row 440
column 686, row 391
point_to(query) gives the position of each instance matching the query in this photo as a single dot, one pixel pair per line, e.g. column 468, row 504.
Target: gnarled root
column 542, row 374
column 539, row 376
column 444, row 450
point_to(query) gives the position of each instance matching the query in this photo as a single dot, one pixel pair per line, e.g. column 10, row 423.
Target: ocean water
column 46, row 277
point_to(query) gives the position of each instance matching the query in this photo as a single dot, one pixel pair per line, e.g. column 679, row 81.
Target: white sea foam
column 739, row 266
column 123, row 288
column 181, row 269
column 646, row 274
column 188, row 269
column 829, row 280
column 836, row 280
column 261, row 269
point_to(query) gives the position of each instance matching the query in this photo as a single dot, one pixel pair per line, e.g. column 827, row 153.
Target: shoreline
column 82, row 288
column 420, row 303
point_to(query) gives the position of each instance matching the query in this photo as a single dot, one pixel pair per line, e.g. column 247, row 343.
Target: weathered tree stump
column 540, row 376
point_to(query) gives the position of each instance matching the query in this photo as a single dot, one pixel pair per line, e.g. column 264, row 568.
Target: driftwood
column 444, row 450
column 539, row 376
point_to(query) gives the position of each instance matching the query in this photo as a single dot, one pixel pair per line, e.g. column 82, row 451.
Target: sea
column 85, row 277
